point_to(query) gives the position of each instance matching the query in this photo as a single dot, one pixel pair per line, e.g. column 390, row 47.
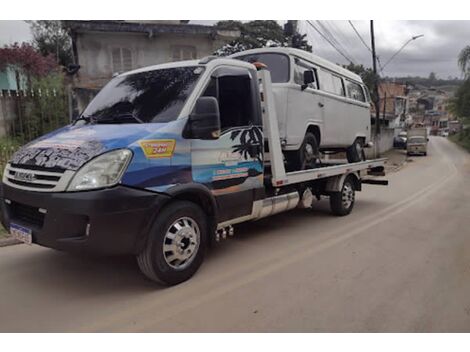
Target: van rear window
column 278, row 64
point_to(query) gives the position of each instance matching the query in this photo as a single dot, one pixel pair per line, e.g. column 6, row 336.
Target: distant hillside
column 426, row 82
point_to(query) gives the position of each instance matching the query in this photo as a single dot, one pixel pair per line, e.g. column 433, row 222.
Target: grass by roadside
column 462, row 138
column 3, row 233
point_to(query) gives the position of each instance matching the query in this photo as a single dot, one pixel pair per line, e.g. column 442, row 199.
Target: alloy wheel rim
column 181, row 243
column 347, row 195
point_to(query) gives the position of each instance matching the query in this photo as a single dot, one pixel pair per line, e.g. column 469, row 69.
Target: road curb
column 10, row 241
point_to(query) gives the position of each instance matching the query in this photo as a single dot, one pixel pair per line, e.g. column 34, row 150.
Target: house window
column 121, row 59
column 179, row 53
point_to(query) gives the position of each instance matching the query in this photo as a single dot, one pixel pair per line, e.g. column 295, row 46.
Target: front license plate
column 21, row 233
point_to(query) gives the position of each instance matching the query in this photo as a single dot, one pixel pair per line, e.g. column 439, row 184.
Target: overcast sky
column 435, row 52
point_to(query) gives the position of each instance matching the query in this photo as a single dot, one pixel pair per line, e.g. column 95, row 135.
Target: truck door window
column 234, row 94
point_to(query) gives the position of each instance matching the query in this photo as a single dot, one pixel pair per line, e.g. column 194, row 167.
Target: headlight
column 103, row 171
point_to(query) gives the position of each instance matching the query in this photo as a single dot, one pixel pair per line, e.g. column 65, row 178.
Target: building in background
column 393, row 104
column 105, row 48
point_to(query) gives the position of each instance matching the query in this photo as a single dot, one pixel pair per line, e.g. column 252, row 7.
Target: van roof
column 210, row 64
column 303, row 55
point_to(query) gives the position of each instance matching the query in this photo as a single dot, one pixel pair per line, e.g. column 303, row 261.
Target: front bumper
column 107, row 221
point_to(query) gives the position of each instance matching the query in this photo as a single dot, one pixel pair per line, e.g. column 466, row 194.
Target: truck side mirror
column 204, row 121
column 309, row 77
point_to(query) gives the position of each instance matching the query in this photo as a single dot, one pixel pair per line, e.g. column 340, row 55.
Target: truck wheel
column 355, row 152
column 306, row 157
column 341, row 203
column 175, row 245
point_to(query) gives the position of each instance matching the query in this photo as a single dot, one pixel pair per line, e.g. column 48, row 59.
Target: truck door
column 232, row 165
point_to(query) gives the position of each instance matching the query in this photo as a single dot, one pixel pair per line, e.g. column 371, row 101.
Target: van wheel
column 175, row 245
column 355, row 152
column 341, row 203
column 306, row 157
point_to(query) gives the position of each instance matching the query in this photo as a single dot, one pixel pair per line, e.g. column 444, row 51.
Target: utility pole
column 290, row 29
column 376, row 85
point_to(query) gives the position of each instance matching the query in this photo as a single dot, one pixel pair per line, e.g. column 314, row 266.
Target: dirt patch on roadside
column 396, row 159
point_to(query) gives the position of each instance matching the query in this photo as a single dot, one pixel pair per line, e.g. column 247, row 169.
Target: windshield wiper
column 119, row 118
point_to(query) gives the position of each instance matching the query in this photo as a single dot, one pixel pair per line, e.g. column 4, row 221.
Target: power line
column 339, row 33
column 329, row 41
column 360, row 37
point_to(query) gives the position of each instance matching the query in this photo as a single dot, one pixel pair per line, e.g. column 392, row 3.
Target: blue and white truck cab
column 163, row 161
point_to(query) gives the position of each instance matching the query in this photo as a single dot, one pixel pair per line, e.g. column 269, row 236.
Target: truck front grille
column 32, row 178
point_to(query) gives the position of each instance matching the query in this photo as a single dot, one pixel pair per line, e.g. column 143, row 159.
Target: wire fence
column 28, row 114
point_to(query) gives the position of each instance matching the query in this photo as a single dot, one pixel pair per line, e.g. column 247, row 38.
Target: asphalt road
column 400, row 262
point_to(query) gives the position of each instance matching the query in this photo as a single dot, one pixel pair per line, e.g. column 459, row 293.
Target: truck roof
column 303, row 55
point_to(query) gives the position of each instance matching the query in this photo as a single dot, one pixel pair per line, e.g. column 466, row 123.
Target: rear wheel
column 342, row 202
column 355, row 152
column 176, row 244
column 306, row 157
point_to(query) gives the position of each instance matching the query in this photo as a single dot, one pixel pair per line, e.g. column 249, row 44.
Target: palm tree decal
column 251, row 143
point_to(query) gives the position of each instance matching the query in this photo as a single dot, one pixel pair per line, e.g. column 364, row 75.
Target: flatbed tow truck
column 163, row 209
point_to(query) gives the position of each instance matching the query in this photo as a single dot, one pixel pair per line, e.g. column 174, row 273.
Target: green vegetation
column 462, row 138
column 460, row 105
column 3, row 233
column 259, row 34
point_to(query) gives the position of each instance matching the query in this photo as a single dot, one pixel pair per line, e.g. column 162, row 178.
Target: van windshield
column 151, row 96
column 278, row 64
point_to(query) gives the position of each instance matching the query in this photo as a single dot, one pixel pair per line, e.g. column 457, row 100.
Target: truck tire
column 355, row 152
column 342, row 203
column 306, row 157
column 175, row 245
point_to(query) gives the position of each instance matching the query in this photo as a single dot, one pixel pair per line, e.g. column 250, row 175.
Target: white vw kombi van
column 320, row 106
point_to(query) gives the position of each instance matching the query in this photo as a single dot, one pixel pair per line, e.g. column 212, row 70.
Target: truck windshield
column 151, row 96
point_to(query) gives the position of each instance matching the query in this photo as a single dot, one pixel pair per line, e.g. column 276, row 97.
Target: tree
column 259, row 34
column 464, row 61
column 432, row 77
column 25, row 60
column 460, row 104
column 51, row 38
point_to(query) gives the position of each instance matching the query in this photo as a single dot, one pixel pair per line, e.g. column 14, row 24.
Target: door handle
column 321, row 105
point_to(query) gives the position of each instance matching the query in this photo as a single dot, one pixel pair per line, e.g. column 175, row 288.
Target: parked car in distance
column 320, row 106
column 417, row 141
column 400, row 140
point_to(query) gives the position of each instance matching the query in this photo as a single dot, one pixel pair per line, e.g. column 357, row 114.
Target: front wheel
column 355, row 152
column 342, row 203
column 175, row 245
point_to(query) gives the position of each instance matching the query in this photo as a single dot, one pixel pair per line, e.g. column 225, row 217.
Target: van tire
column 306, row 157
column 154, row 262
column 342, row 202
column 355, row 152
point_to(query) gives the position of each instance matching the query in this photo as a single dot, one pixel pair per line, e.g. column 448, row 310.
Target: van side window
column 299, row 69
column 355, row 91
column 331, row 83
column 234, row 94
